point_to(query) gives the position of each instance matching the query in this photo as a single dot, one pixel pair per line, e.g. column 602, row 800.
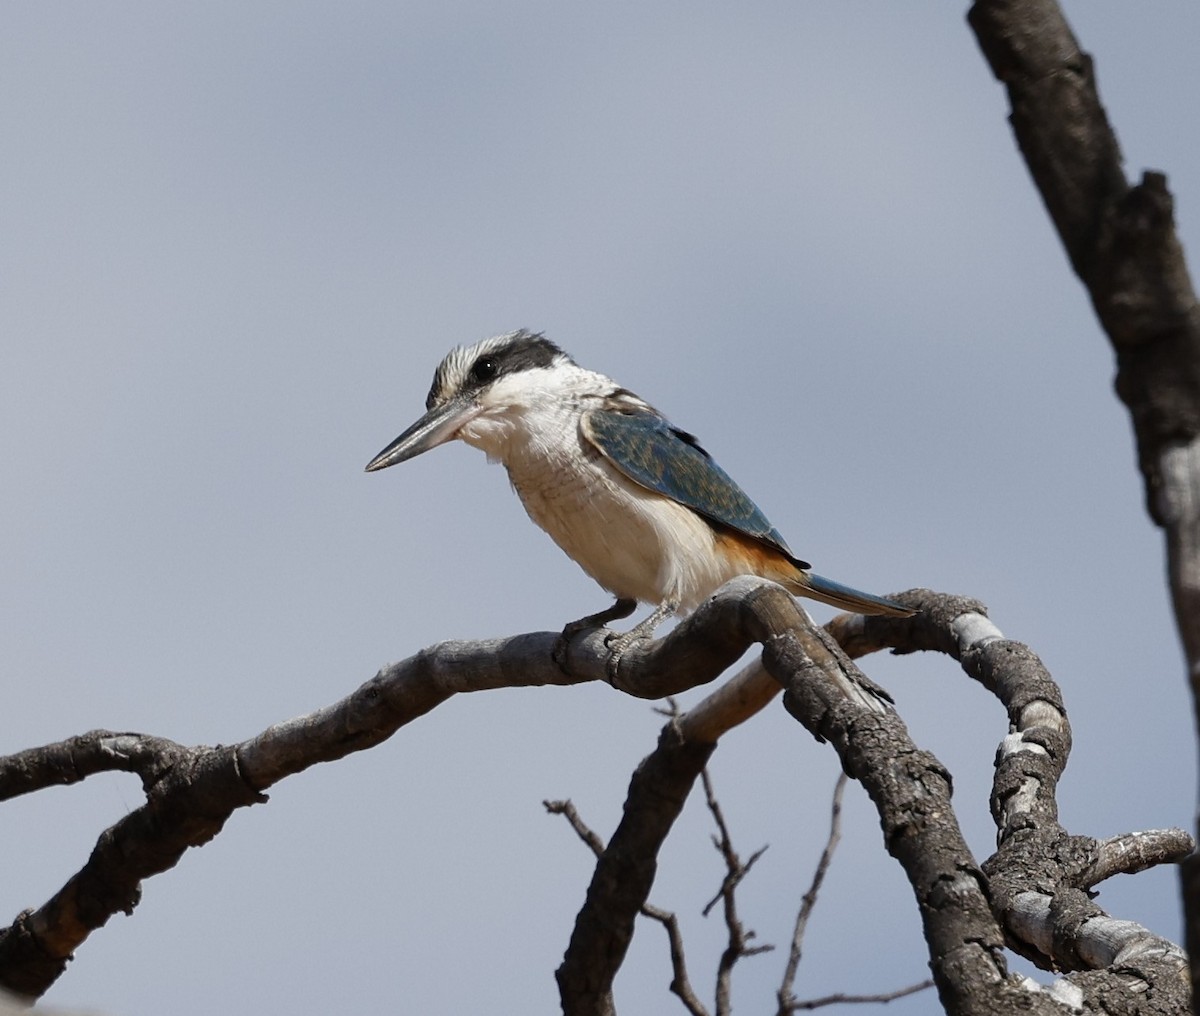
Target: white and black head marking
column 471, row 368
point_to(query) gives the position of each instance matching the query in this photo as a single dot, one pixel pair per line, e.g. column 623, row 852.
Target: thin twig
column 809, row 900
column 839, row 999
column 735, row 871
column 680, row 984
column 582, row 830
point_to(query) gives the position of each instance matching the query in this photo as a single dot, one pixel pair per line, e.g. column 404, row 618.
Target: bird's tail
column 818, row 587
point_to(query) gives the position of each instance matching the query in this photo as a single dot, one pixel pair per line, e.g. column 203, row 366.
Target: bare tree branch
column 1038, row 877
column 736, row 870
column 77, row 758
column 625, row 872
column 911, row 791
column 841, row 999
column 1122, row 243
column 191, row 791
column 809, row 901
column 680, row 983
column 186, row 806
column 585, row 832
column 744, row 610
column 1130, row 853
column 738, row 945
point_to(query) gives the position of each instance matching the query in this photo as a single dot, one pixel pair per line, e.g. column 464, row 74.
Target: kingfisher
column 636, row 502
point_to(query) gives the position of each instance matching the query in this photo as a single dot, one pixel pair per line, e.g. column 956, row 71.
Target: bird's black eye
column 484, row 369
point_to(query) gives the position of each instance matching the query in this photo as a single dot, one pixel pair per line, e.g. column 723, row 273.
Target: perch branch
column 743, row 611
column 192, row 791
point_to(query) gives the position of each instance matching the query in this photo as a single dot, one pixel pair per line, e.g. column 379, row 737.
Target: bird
column 634, row 500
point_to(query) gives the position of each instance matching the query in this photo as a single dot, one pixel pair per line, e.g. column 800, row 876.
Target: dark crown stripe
column 525, row 350
column 512, row 353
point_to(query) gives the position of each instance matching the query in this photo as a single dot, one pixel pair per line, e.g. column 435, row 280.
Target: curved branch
column 191, row 791
column 743, row 611
column 1039, row 876
column 1130, row 853
column 911, row 791
column 77, row 758
column 186, row 806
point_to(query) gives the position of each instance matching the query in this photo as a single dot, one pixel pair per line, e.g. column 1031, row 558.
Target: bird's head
column 475, row 384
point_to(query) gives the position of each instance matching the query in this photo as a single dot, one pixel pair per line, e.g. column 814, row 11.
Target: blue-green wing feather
column 668, row 461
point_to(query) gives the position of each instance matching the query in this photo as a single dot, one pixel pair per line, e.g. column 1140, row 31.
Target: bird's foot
column 618, row 645
column 621, row 609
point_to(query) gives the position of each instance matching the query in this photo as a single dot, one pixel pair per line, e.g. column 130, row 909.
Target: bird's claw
column 622, row 608
column 618, row 645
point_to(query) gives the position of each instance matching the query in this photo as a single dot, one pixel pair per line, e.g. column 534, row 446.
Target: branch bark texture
column 1122, row 243
column 1030, row 896
column 966, row 926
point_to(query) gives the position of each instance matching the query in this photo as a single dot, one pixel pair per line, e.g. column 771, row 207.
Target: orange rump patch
column 751, row 557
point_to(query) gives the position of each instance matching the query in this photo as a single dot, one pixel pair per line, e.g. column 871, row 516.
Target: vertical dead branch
column 1122, row 243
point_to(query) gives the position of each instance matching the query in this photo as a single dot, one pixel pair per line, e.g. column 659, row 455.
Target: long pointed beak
column 436, row 427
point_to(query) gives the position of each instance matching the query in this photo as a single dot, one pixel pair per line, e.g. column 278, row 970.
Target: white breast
column 633, row 542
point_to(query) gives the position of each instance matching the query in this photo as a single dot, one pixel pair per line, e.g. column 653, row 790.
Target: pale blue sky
column 238, row 239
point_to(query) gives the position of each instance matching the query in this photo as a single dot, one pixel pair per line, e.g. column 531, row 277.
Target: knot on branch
column 28, row 967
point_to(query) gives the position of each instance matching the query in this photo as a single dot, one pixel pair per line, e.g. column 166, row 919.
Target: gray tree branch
column 192, row 791
column 1122, row 243
column 1038, row 878
column 911, row 791
column 735, row 871
column 681, row 984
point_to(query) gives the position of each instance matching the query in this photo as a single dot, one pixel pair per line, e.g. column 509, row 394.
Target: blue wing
column 668, row 461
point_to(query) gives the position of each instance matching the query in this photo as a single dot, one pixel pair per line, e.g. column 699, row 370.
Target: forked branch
column 192, row 791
